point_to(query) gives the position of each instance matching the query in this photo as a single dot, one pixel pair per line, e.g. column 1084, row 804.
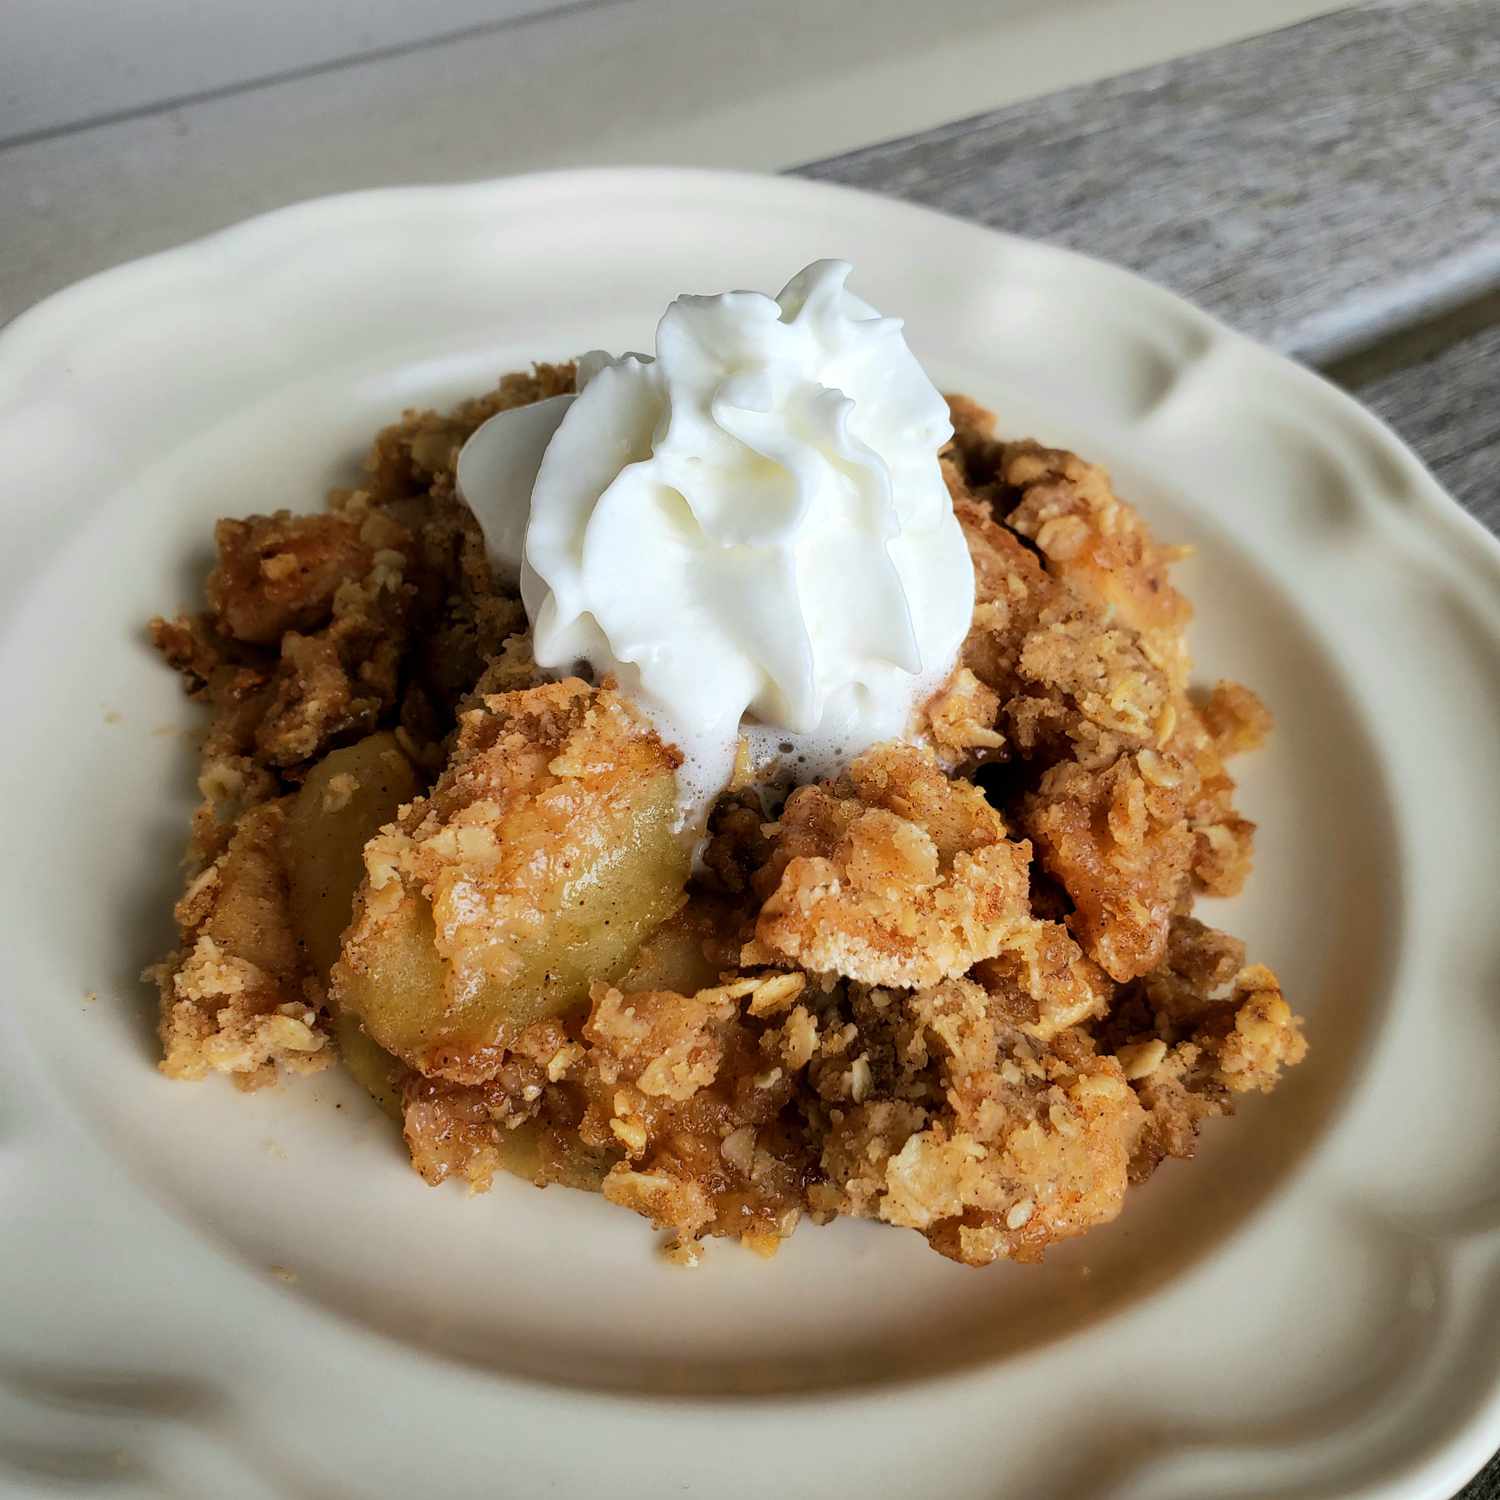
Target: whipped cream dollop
column 750, row 531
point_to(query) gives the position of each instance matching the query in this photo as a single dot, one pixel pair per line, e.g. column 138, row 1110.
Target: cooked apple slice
column 680, row 954
column 544, row 855
column 371, row 1066
column 347, row 797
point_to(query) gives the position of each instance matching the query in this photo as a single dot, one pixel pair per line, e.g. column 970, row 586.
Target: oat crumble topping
column 957, row 989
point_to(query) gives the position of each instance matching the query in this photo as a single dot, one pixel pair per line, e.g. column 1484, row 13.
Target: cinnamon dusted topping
column 894, row 874
column 233, row 996
column 961, row 720
column 1117, row 839
column 957, row 989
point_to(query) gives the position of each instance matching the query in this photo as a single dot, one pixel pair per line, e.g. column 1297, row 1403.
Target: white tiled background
column 130, row 125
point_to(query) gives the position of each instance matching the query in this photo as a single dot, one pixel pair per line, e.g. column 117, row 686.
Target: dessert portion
column 738, row 782
column 749, row 531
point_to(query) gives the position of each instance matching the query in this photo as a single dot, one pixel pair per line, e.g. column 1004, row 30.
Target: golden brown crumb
column 454, row 1130
column 1235, row 718
column 678, row 1088
column 422, row 447
column 1085, row 691
column 279, row 573
column 470, row 1131
column 1071, row 683
column 1223, row 840
column 1195, row 1031
column 233, row 997
column 893, row 874
column 1013, row 1145
column 1118, row 842
column 961, row 722
column 1041, row 982
column 541, row 786
column 1100, row 548
column 876, row 1000
column 1010, row 592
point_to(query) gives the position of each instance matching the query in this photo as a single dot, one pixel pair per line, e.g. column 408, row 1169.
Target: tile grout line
column 309, row 70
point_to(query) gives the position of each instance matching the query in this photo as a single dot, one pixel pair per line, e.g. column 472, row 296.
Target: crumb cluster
column 958, row 989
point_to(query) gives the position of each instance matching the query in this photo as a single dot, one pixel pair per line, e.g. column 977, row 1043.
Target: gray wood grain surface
column 1315, row 187
column 1332, row 189
column 1447, row 408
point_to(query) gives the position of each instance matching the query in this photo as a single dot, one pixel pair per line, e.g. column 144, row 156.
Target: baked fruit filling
column 956, row 987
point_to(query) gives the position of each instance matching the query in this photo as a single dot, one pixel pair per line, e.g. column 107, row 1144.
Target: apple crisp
column 958, row 988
